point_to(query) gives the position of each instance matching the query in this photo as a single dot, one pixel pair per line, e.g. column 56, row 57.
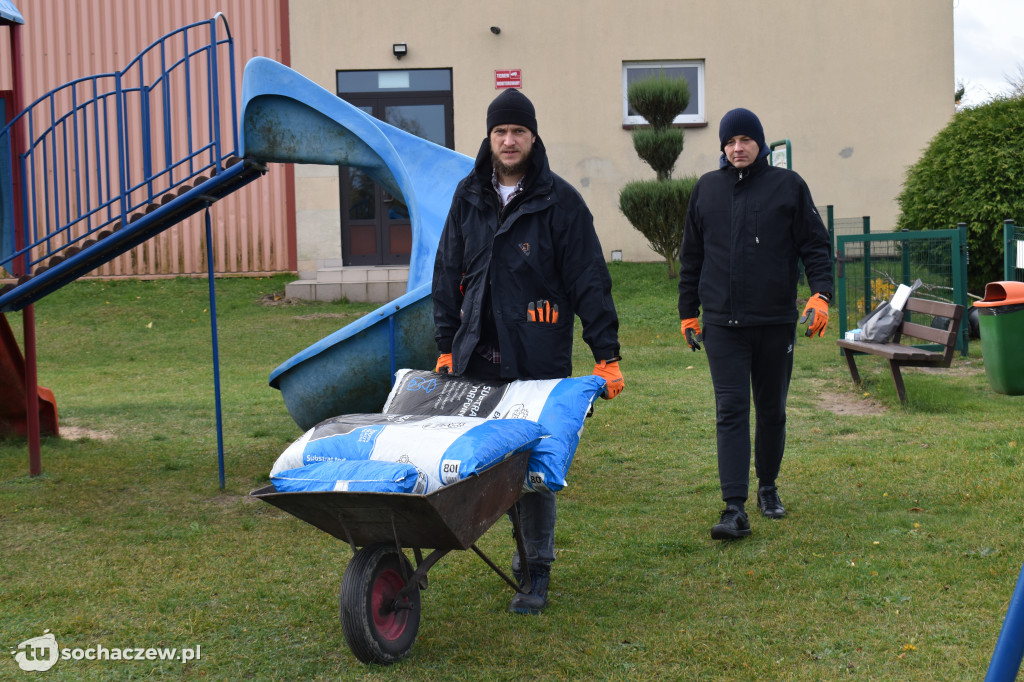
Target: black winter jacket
column 492, row 263
column 744, row 235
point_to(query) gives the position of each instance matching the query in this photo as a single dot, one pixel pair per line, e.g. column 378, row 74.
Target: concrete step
column 354, row 283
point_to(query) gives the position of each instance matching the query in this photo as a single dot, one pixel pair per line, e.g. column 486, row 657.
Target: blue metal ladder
column 105, row 162
column 101, row 164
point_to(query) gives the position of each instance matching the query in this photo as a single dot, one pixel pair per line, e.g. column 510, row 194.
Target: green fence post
column 867, row 266
column 1009, row 250
column 961, row 257
column 830, row 223
column 905, row 260
column 840, row 275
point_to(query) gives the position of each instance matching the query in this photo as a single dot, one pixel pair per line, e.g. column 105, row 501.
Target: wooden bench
column 903, row 355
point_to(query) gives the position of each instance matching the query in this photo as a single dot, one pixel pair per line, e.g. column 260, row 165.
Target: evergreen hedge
column 971, row 172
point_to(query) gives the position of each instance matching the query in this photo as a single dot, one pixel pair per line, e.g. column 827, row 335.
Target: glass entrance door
column 375, row 225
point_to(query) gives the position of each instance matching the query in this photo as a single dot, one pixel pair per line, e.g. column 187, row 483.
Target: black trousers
column 745, row 360
column 537, row 509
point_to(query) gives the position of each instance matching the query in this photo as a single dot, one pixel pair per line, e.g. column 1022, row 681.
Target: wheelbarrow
column 380, row 591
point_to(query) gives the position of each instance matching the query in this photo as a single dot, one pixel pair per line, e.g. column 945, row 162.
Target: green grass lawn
column 897, row 560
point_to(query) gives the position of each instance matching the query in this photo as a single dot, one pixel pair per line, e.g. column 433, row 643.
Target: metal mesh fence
column 870, row 267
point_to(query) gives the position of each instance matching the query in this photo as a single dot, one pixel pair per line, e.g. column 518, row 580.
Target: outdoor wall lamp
column 495, row 30
column 400, row 49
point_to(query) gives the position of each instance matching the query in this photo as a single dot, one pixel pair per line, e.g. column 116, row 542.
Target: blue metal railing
column 93, row 153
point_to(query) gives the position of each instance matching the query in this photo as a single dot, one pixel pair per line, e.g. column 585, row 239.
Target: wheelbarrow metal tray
column 453, row 517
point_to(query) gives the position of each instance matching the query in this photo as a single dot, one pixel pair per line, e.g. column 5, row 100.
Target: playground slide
column 289, row 119
column 13, row 417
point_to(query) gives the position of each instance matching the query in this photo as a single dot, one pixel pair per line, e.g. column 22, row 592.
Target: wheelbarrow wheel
column 376, row 628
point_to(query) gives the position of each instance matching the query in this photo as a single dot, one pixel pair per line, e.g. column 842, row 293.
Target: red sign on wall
column 508, row 78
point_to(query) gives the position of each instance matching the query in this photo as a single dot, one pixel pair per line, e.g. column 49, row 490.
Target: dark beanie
column 742, row 122
column 511, row 107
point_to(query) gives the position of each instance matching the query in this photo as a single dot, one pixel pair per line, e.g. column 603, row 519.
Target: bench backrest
column 945, row 336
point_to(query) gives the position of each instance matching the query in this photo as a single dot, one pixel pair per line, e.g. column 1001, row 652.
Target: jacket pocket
column 545, row 349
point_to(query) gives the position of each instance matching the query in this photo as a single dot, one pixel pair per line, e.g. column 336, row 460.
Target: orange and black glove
column 542, row 311
column 609, row 371
column 816, row 315
column 690, row 329
column 444, row 364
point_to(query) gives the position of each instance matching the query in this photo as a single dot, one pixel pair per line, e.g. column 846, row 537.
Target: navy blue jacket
column 492, row 263
column 744, row 235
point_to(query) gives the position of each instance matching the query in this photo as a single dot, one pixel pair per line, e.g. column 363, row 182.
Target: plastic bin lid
column 1002, row 293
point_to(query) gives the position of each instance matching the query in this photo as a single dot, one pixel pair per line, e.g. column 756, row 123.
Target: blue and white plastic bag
column 443, row 449
column 558, row 405
column 351, row 475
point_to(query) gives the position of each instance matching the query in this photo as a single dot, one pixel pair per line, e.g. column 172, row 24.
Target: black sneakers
column 769, row 503
column 732, row 524
column 534, row 601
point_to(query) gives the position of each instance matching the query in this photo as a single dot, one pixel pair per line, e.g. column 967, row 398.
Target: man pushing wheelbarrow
column 518, row 260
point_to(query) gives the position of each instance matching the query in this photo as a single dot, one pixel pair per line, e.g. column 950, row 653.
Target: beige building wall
column 859, row 87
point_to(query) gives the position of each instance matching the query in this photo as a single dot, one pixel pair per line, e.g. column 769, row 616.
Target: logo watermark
column 421, row 384
column 39, row 654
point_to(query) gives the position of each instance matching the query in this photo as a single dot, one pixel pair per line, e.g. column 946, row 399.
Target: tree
column 657, row 208
column 1016, row 81
column 971, row 172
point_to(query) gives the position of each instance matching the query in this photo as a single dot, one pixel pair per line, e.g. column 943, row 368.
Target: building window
column 411, row 80
column 692, row 71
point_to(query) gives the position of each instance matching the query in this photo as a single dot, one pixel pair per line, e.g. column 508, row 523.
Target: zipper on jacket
column 742, row 173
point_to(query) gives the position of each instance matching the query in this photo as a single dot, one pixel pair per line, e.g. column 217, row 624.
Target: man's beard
column 519, row 168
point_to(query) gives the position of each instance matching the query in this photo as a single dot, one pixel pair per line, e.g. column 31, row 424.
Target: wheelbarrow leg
column 417, row 580
column 517, row 532
column 494, row 567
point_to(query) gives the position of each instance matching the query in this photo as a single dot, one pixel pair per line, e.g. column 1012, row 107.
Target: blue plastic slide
column 289, row 119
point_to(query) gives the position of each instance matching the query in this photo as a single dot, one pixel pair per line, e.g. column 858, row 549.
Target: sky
column 988, row 46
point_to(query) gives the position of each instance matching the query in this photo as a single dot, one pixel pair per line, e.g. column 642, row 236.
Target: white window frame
column 697, row 118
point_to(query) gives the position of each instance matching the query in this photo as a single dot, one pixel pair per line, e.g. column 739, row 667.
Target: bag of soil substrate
column 558, row 405
column 443, row 449
column 351, row 475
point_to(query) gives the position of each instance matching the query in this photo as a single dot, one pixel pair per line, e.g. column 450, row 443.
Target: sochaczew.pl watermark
column 41, row 653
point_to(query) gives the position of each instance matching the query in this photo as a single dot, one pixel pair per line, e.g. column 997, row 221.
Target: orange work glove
column 690, row 329
column 815, row 315
column 609, row 371
column 444, row 364
column 542, row 311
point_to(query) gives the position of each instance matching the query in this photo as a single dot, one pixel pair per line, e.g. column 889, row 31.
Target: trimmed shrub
column 659, row 99
column 661, row 208
column 657, row 208
column 659, row 148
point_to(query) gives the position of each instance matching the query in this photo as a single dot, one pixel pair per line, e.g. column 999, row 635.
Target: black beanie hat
column 742, row 122
column 511, row 106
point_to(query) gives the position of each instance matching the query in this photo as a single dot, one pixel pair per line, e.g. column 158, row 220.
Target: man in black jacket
column 518, row 260
column 748, row 225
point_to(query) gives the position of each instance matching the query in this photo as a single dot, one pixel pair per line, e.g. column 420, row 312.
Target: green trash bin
column 1001, row 325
